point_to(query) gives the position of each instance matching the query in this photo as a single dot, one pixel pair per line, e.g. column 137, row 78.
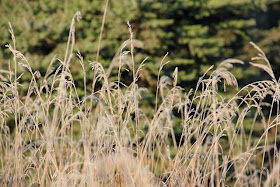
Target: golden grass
column 107, row 139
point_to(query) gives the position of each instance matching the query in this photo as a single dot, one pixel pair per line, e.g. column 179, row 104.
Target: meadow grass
column 106, row 137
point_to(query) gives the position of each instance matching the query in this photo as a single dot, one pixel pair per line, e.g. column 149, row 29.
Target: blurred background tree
column 196, row 33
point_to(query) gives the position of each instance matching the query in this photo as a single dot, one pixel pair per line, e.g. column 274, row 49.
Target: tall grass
column 106, row 138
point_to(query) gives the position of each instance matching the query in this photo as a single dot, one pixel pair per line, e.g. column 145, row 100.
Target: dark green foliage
column 196, row 34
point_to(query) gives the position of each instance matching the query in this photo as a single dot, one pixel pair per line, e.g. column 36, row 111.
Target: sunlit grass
column 107, row 137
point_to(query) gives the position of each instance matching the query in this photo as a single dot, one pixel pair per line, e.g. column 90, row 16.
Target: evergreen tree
column 196, row 34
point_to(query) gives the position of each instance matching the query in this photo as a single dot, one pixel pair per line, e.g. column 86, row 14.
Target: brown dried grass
column 111, row 148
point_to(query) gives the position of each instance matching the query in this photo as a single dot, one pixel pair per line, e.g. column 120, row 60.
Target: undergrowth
column 106, row 137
